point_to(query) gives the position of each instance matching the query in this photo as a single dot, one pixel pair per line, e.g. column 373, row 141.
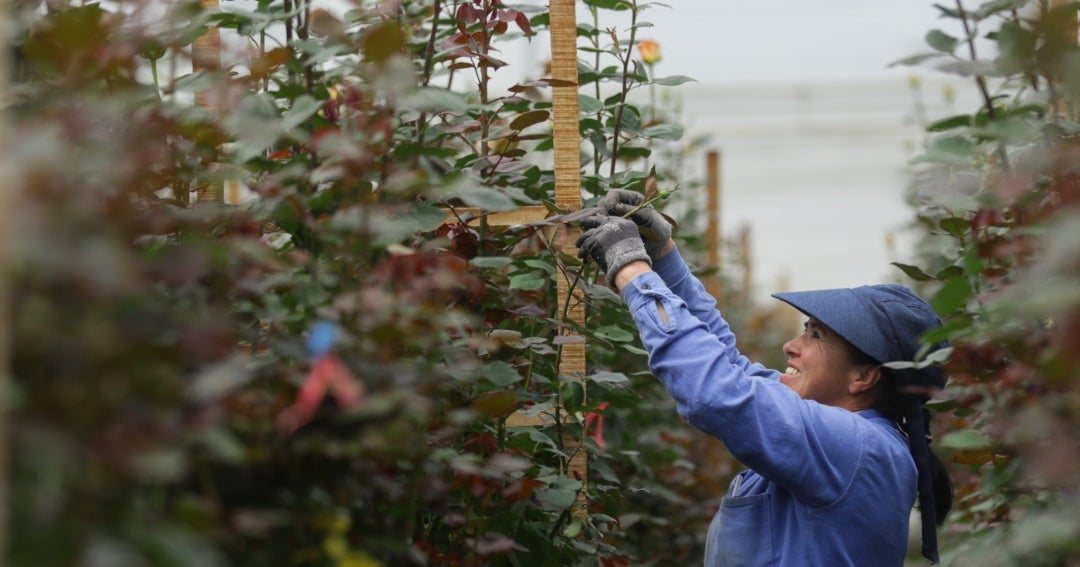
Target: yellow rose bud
column 649, row 50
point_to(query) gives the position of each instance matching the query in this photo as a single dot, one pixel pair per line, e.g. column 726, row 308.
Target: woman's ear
column 867, row 377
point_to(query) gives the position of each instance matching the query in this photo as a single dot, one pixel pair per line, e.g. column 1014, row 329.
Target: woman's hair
column 890, row 403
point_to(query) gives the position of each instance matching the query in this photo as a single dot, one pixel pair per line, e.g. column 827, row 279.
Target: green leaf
column 997, row 6
column 527, row 282
column 573, row 529
column 949, row 150
column 572, row 395
column 530, row 118
column 487, row 198
column 617, row 5
column 952, row 296
column 941, row 41
column 614, row 334
column 302, row 109
column 560, row 494
column 965, row 440
column 609, row 377
column 674, row 80
column 491, row 262
column 949, row 123
column 256, row 125
column 632, row 152
column 499, row 373
column 546, row 267
column 663, row 132
column 1017, row 47
column 913, row 272
column 589, row 105
column 594, row 291
column 433, row 100
column 949, row 273
column 949, row 12
column 540, row 438
column 388, row 229
column 956, row 226
column 938, row 357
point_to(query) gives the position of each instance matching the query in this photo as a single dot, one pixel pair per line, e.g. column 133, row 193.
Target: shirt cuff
column 672, row 268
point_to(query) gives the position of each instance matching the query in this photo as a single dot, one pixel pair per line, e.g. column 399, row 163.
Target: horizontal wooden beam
column 519, row 216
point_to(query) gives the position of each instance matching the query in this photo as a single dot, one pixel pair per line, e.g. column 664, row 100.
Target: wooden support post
column 568, row 188
column 712, row 227
column 7, row 190
column 206, row 56
column 1070, row 30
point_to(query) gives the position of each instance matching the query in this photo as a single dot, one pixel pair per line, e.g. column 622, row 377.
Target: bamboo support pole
column 206, row 56
column 712, row 227
column 567, row 149
column 1070, row 30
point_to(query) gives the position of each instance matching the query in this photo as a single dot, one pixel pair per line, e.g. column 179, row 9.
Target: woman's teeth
column 792, row 371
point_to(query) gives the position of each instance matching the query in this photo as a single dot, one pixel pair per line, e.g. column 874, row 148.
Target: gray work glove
column 655, row 231
column 613, row 242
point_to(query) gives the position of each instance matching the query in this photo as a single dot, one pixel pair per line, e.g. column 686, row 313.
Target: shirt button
column 646, row 286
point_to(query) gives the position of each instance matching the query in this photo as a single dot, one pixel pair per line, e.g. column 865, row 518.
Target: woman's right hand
column 654, row 230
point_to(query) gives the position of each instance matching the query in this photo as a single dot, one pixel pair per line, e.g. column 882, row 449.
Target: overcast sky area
column 788, row 40
column 728, row 41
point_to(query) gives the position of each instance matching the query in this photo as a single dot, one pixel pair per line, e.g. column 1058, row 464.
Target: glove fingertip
column 589, row 223
column 627, row 196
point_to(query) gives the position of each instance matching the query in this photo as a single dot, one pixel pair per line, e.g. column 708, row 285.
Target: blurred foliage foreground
column 322, row 376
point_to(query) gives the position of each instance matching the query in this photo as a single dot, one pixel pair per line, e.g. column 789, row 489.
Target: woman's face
column 820, row 366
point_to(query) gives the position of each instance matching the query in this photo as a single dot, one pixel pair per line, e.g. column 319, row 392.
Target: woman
column 837, row 445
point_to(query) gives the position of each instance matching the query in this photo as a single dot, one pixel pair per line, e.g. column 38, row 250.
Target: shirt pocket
column 743, row 534
column 662, row 313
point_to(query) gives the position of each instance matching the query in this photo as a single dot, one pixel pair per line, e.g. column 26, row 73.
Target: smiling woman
column 837, row 446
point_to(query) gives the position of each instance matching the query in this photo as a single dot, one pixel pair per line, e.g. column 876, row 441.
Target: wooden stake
column 1070, row 31
column 206, row 56
column 712, row 227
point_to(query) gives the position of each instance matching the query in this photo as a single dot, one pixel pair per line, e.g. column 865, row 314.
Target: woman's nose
column 789, row 347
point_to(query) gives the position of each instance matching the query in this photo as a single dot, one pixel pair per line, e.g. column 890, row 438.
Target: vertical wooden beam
column 1070, row 30
column 567, row 149
column 7, row 189
column 206, row 56
column 712, row 226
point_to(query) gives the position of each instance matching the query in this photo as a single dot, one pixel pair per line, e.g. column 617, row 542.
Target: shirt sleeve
column 702, row 305
column 805, row 447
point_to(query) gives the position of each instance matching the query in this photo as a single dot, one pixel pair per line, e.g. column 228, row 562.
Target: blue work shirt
column 826, row 486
